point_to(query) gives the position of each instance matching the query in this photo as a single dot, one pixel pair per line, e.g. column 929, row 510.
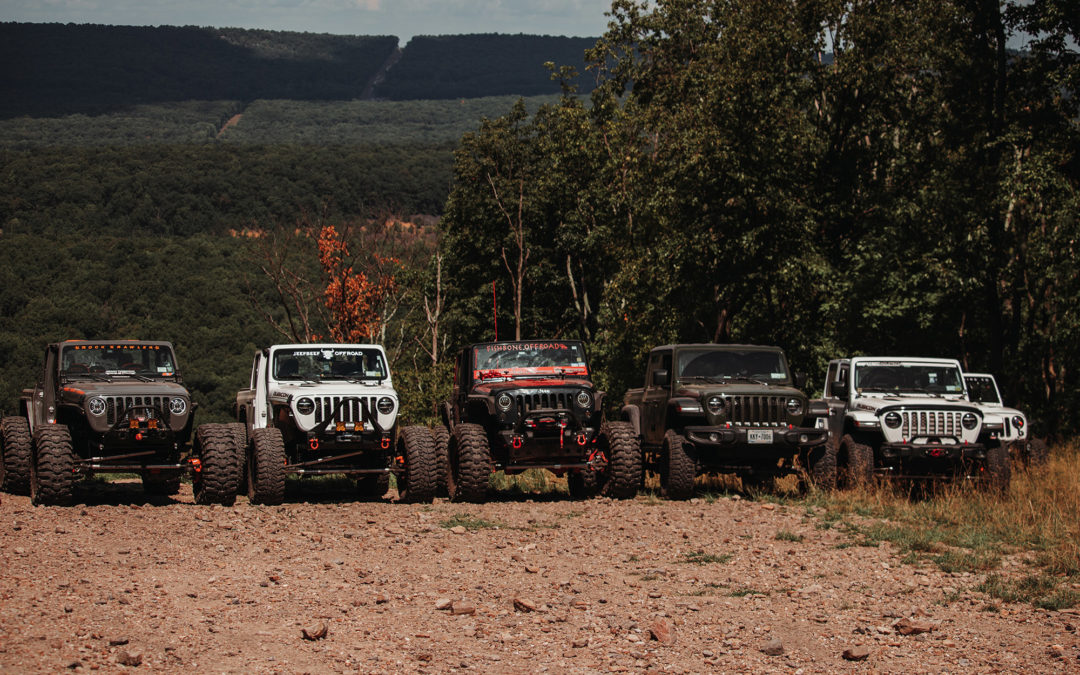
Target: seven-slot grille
column 930, row 423
column 561, row 400
column 355, row 409
column 757, row 411
column 116, row 406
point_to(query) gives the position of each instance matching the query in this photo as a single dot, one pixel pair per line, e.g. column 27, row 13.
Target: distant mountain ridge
column 58, row 69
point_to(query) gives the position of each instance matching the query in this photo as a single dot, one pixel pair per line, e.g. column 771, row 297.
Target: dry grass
column 963, row 528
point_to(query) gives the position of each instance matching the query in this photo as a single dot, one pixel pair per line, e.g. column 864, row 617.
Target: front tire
column 417, row 446
column 442, row 459
column 266, row 467
column 470, row 464
column 583, row 484
column 625, row 470
column 858, row 470
column 16, row 450
column 52, row 475
column 820, row 466
column 998, row 469
column 677, row 482
column 218, row 479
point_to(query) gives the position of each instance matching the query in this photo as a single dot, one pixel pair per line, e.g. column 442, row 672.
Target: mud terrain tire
column 821, row 469
column 240, row 435
column 218, row 481
column 859, row 469
column 161, row 486
column 677, row 481
column 373, row 486
column 625, row 471
column 442, row 459
column 583, row 484
column 16, row 449
column 470, row 464
column 998, row 468
column 52, row 477
column 266, row 467
column 417, row 484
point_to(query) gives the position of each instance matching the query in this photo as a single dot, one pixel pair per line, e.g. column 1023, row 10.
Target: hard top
column 106, row 343
column 717, row 345
column 906, row 359
column 325, row 345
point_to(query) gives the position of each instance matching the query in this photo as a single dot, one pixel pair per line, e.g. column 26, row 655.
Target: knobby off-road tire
column 583, row 484
column 998, row 468
column 240, row 435
column 859, row 468
column 266, row 467
column 16, row 450
column 219, row 479
column 1037, row 452
column 373, row 486
column 677, row 481
column 161, row 486
column 470, row 464
column 442, row 459
column 625, row 464
column 821, row 468
column 417, row 446
column 52, row 476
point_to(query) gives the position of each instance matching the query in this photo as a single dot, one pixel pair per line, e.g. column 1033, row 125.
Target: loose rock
column 859, row 653
column 462, row 607
column 316, row 632
column 663, row 631
column 773, row 647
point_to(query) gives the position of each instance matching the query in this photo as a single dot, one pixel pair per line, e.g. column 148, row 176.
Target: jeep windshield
column 895, row 377
column 105, row 362
column 320, row 364
column 981, row 389
column 504, row 360
column 733, row 365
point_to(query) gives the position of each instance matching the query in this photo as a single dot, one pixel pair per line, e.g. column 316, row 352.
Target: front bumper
column 933, row 452
column 748, row 446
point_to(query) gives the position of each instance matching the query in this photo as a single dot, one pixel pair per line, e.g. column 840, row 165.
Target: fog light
column 714, row 437
column 803, row 438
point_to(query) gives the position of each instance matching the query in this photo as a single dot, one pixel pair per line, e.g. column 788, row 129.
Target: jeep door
column 655, row 397
column 836, row 397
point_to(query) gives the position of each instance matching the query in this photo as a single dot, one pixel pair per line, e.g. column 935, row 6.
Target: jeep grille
column 356, row 408
column 757, row 411
column 116, row 406
column 931, row 423
column 562, row 400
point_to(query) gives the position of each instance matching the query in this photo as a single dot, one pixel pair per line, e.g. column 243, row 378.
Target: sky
column 403, row 18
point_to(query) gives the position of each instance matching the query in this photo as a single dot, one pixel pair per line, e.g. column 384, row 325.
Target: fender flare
column 632, row 414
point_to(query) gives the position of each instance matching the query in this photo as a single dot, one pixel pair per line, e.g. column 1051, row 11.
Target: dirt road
column 550, row 585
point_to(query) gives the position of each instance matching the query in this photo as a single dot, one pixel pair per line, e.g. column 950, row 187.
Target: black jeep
column 526, row 405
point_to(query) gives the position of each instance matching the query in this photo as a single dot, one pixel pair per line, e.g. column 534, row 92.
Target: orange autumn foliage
column 353, row 297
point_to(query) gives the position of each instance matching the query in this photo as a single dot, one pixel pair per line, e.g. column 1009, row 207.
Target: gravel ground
column 118, row 582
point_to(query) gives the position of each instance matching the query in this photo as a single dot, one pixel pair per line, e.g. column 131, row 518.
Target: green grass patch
column 785, row 535
column 469, row 522
column 700, row 557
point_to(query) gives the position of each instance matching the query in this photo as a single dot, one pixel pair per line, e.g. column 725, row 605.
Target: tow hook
column 517, row 442
column 385, row 442
column 581, row 439
column 313, row 443
column 196, row 464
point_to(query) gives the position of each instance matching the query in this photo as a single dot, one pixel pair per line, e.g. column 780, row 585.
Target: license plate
column 759, row 436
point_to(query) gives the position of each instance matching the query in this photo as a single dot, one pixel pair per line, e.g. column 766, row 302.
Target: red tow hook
column 385, row 442
column 313, row 444
column 196, row 464
column 517, row 442
column 581, row 440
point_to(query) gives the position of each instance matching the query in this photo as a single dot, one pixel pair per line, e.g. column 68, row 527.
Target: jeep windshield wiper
column 740, row 378
column 701, row 377
column 93, row 376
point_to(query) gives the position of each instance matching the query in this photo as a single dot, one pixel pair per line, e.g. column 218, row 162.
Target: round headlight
column 970, row 421
column 177, row 406
column 794, row 406
column 715, row 404
column 893, row 420
column 385, row 405
column 504, row 401
column 96, row 406
column 584, row 399
column 305, row 406
column 1018, row 422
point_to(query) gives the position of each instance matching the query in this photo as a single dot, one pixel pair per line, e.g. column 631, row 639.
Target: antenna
column 495, row 310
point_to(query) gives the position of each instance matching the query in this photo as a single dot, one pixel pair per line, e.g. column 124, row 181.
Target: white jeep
column 908, row 417
column 315, row 409
column 1008, row 425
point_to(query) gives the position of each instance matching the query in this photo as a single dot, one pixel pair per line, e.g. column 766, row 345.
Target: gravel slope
column 549, row 585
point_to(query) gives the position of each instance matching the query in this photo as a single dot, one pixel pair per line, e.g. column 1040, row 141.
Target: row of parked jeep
column 120, row 406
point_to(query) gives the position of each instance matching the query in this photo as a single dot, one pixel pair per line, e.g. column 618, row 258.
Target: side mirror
column 839, row 389
column 661, row 378
column 800, row 380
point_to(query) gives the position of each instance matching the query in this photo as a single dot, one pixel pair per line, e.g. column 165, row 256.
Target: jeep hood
column 489, row 388
column 736, row 389
column 874, row 404
column 127, row 387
